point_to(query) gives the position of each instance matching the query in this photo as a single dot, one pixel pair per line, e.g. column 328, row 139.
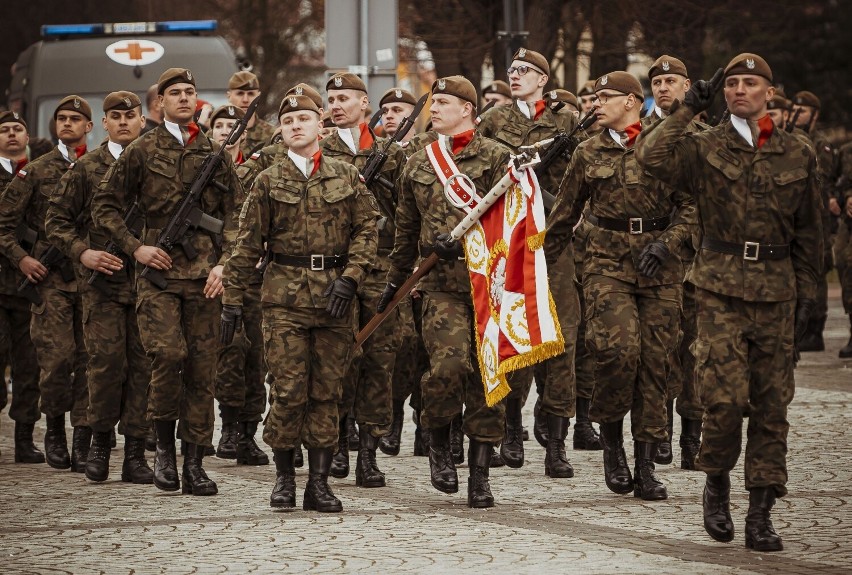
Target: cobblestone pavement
column 57, row 522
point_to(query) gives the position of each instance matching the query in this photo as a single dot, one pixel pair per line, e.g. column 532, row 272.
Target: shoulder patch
column 255, row 156
column 22, row 174
column 360, row 177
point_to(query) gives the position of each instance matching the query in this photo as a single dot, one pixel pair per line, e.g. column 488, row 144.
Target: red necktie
column 192, row 129
column 79, row 151
column 365, row 141
column 632, row 131
column 766, row 125
column 19, row 166
column 316, row 158
column 240, row 159
column 540, row 105
column 461, row 140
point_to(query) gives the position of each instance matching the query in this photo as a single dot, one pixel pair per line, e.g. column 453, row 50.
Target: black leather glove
column 340, row 293
column 447, row 248
column 700, row 96
column 652, row 258
column 804, row 309
column 386, row 297
column 232, row 321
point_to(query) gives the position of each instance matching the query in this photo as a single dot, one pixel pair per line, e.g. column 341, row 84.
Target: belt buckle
column 754, row 248
column 635, row 225
column 321, row 265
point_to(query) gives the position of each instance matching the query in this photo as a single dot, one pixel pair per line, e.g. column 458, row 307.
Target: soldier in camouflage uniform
column 177, row 323
column 529, row 120
column 243, row 88
column 56, row 325
column 755, row 277
column 423, row 219
column 843, row 240
column 368, row 384
column 118, row 371
column 15, row 343
column 632, row 283
column 806, row 106
column 669, row 82
column 318, row 222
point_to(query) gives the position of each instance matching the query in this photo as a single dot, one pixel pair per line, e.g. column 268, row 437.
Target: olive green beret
column 303, row 89
column 243, row 81
column 587, row 89
column 534, row 58
column 397, row 95
column 561, row 95
column 297, row 103
column 667, row 65
column 122, row 100
column 498, row 87
column 345, row 81
column 457, row 86
column 620, row 82
column 9, row 117
column 174, row 76
column 74, row 104
column 228, row 112
column 778, row 102
column 805, row 98
column 747, row 63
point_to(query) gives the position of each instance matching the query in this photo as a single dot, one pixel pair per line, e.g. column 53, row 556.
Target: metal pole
column 364, row 40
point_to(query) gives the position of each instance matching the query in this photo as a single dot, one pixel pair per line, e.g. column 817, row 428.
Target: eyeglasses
column 603, row 97
column 521, row 70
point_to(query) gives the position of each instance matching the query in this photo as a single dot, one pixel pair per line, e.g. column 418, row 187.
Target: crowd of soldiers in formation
column 687, row 260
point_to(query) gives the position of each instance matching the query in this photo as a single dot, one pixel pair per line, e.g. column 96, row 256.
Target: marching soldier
column 56, row 325
column 15, row 342
column 178, row 322
column 243, row 88
column 498, row 92
column 755, row 277
column 843, row 240
column 423, row 220
column 778, row 109
column 318, row 222
column 368, row 386
column 527, row 121
column 669, row 82
column 632, row 283
column 118, row 371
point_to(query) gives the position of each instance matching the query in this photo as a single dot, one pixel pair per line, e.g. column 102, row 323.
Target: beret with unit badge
column 748, row 63
column 457, row 86
column 345, row 81
column 228, row 112
column 534, row 58
column 303, row 89
column 174, row 76
column 805, row 98
column 9, row 116
column 398, row 95
column 498, row 87
column 620, row 82
column 74, row 103
column 667, row 65
column 122, row 100
column 297, row 103
column 587, row 89
column 560, row 95
column 778, row 102
column 243, row 81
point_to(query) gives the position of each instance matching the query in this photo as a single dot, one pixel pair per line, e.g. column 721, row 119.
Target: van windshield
column 47, row 106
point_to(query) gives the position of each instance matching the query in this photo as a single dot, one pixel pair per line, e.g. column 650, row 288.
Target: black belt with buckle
column 315, row 262
column 751, row 251
column 632, row 225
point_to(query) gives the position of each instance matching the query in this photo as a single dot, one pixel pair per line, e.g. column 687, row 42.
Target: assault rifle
column 188, row 216
column 51, row 258
column 561, row 145
column 791, row 123
column 134, row 221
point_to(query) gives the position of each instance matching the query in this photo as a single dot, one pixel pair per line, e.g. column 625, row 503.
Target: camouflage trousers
column 18, row 352
column 56, row 329
column 744, row 365
column 584, row 363
column 180, row 332
column 118, row 370
column 306, row 352
column 412, row 361
column 632, row 333
column 843, row 261
column 368, row 382
column 453, row 380
column 681, row 382
column 240, row 371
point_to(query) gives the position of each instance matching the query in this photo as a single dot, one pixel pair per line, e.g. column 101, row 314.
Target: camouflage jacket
column 10, row 276
column 257, row 136
column 769, row 195
column 156, row 170
column 844, row 168
column 73, row 197
column 334, row 147
column 424, row 212
column 608, row 176
column 331, row 213
column 25, row 200
column 259, row 161
column 509, row 126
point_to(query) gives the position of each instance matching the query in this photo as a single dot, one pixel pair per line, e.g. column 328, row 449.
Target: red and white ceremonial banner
column 516, row 323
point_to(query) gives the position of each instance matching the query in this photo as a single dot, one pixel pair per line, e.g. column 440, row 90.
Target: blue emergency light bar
column 61, row 30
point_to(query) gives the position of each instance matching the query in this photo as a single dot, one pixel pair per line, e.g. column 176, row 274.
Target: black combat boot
column 25, row 449
column 846, row 351
column 664, row 451
column 248, row 451
column 165, row 458
column 512, row 447
column 227, row 447
column 616, row 471
column 284, row 493
column 195, row 480
column 97, row 463
column 352, row 432
column 759, row 533
column 585, row 436
column 56, row 443
column 80, row 442
column 389, row 444
column 318, row 494
column 298, row 456
column 496, row 458
column 367, row 473
column 540, row 423
column 690, row 442
column 717, row 507
column 135, row 468
column 556, row 460
column 340, row 464
column 441, row 467
column 421, row 437
column 457, row 439
column 646, row 484
column 478, row 488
